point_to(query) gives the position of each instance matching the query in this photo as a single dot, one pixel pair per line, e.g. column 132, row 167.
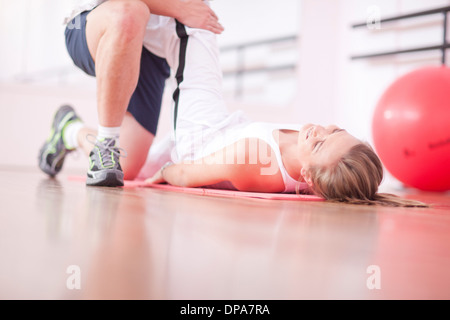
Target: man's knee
column 128, row 18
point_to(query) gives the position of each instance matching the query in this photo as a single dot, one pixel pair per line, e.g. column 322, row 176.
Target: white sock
column 109, row 132
column 70, row 134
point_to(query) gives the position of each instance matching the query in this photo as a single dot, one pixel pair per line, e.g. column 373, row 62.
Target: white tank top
column 261, row 130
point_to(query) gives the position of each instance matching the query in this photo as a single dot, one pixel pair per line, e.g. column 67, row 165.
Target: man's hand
column 197, row 14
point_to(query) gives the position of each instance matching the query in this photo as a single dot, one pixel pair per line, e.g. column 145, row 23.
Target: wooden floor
column 139, row 243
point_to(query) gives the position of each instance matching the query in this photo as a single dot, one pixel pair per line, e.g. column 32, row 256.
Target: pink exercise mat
column 215, row 192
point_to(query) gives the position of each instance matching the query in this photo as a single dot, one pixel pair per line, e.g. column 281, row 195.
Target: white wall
column 266, row 96
column 250, row 20
column 36, row 77
column 32, row 39
column 335, row 89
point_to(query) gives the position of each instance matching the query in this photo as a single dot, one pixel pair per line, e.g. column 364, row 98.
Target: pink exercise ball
column 411, row 129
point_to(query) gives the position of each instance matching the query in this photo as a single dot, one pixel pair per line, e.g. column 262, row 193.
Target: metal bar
column 407, row 16
column 389, row 53
column 240, row 72
column 261, row 69
column 444, row 38
column 258, row 43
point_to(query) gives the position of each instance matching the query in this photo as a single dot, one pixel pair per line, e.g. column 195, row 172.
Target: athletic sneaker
column 104, row 166
column 53, row 152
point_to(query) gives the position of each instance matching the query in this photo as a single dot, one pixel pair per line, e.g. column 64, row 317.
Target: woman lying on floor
column 219, row 149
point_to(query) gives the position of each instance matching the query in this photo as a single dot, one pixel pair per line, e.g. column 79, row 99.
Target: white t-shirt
column 85, row 5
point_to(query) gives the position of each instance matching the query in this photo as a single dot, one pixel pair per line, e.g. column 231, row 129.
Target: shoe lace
column 107, row 148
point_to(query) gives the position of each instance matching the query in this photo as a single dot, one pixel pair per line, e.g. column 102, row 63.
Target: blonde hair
column 355, row 179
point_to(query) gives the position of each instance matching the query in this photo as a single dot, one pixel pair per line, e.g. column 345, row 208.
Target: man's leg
column 139, row 124
column 114, row 35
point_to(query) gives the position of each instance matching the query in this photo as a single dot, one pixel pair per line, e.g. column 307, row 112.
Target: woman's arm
column 239, row 163
column 191, row 174
column 192, row 13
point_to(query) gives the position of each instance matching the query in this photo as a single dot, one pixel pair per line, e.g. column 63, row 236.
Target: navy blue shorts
column 145, row 103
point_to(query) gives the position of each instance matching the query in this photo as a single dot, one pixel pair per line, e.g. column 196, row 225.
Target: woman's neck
column 289, row 152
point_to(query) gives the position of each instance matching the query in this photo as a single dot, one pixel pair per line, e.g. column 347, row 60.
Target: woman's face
column 323, row 146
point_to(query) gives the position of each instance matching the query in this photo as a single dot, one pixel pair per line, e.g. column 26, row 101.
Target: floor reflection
column 267, row 250
column 138, row 243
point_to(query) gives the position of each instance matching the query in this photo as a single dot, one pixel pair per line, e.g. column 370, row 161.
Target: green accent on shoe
column 54, row 150
column 104, row 166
